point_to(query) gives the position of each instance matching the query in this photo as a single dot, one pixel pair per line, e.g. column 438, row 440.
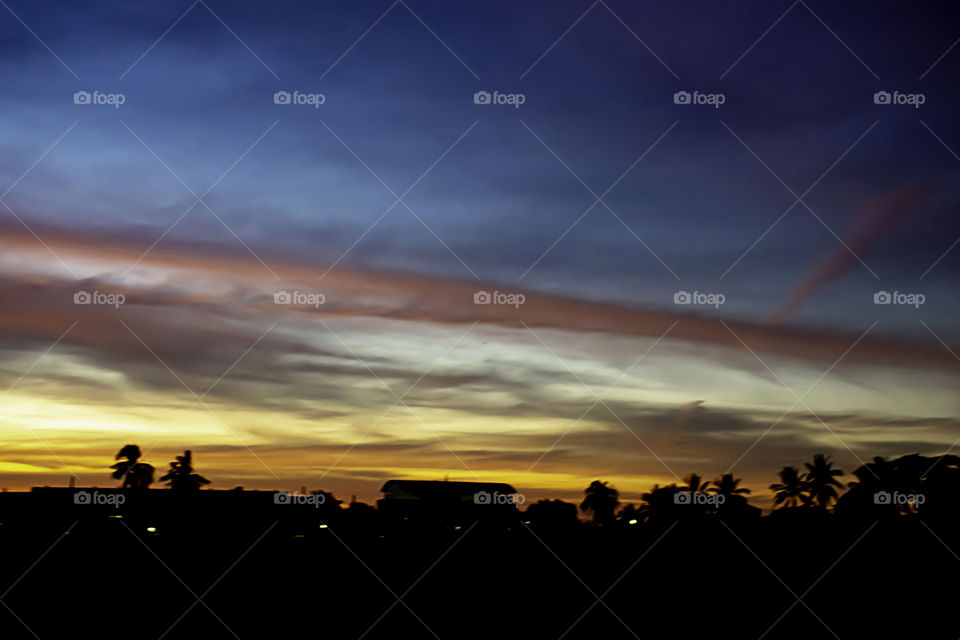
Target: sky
column 326, row 244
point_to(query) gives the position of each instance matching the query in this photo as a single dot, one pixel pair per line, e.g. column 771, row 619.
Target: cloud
column 876, row 220
column 194, row 304
column 305, row 394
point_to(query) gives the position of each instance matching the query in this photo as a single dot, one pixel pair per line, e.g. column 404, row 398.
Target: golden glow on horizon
column 303, row 400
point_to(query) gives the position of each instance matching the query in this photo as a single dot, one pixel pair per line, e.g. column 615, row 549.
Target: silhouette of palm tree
column 135, row 475
column 660, row 503
column 821, row 480
column 791, row 491
column 696, row 484
column 601, row 501
column 727, row 486
column 181, row 477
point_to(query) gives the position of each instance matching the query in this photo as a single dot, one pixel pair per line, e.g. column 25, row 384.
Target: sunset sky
column 399, row 198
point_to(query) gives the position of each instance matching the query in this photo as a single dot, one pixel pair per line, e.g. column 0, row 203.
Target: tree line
column 908, row 485
column 904, row 486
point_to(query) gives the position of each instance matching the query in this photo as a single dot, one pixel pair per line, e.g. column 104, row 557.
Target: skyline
column 398, row 199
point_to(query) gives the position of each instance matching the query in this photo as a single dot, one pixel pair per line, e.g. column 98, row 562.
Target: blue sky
column 694, row 198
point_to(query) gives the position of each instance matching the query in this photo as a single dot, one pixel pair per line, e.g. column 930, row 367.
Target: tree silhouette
column 553, row 514
column 821, row 481
column 135, row 474
column 696, row 484
column 791, row 491
column 181, row 477
column 659, row 504
column 601, row 501
column 727, row 486
column 872, row 478
column 628, row 514
column 937, row 480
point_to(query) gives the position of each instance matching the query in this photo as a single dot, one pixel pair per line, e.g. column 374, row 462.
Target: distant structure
column 436, row 498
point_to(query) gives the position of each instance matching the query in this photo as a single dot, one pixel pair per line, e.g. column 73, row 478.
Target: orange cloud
column 37, row 303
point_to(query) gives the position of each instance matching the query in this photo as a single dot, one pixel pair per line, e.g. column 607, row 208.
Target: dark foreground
column 275, row 573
